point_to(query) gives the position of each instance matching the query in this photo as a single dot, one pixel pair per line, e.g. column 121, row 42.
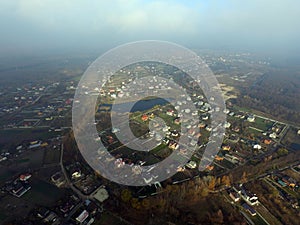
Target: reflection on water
column 141, row 105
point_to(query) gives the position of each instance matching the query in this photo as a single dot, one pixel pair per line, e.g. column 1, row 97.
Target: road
column 69, row 183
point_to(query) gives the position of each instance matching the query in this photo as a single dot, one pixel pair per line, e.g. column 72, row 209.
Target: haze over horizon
column 30, row 26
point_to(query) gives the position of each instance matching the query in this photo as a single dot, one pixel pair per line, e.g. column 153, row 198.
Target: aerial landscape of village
column 254, row 178
column 149, row 112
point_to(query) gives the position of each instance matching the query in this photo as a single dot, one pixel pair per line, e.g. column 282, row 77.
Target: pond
column 295, row 146
column 141, row 105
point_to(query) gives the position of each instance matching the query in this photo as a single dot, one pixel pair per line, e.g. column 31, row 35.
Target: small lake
column 141, row 105
column 295, row 146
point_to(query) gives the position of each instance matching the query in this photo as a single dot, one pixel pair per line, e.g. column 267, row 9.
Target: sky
column 53, row 25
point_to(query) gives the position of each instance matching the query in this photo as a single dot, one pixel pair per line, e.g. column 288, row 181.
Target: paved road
column 69, row 183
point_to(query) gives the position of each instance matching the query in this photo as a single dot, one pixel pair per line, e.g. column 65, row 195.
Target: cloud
column 213, row 23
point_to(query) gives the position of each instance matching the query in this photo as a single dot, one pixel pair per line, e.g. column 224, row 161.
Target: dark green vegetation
column 276, row 93
column 10, row 137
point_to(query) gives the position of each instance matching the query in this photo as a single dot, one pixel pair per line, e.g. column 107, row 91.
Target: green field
column 16, row 136
column 51, row 156
column 43, row 193
column 5, row 175
column 257, row 220
column 262, row 124
column 2, row 216
column 107, row 219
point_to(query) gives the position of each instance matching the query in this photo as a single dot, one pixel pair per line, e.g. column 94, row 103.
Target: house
column 267, row 141
column 191, row 131
column 195, row 113
column 76, row 174
column 170, row 112
column 58, row 179
column 205, row 117
column 3, row 158
column 251, row 118
column 219, row 158
column 101, row 194
column 289, row 181
column 42, row 212
column 187, row 110
column 281, row 183
column 51, row 217
column 273, row 135
column 119, row 163
column 165, row 129
column 174, row 133
column 233, row 138
column 208, row 128
column 227, row 125
column 115, row 130
column 166, row 141
column 34, row 144
column 202, row 125
column 83, row 216
column 226, row 111
column 157, row 185
column 193, row 142
column 234, row 196
column 257, row 146
column 180, row 169
column 226, row 147
column 66, row 208
column 44, row 144
column 18, row 189
column 249, row 209
column 177, row 120
column 231, row 114
column 191, row 164
column 210, row 167
column 145, row 117
column 236, row 129
column 24, row 177
column 173, row 145
column 231, row 158
column 249, row 197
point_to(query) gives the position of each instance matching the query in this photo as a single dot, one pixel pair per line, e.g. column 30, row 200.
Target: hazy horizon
column 37, row 26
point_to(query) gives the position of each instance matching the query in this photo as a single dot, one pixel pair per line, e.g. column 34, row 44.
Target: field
column 43, row 193
column 51, row 156
column 262, row 124
column 292, row 139
column 108, row 219
column 5, row 174
column 16, row 136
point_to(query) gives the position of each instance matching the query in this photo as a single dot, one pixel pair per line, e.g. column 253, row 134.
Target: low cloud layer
column 44, row 24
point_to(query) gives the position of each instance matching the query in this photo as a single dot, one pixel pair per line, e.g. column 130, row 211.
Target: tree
column 126, row 195
column 282, row 152
column 135, row 203
column 146, row 203
column 212, row 183
column 244, row 177
column 226, row 180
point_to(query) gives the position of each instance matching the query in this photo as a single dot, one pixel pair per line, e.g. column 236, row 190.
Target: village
column 47, row 164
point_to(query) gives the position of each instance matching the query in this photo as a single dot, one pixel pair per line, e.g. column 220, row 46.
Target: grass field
column 16, row 136
column 5, row 174
column 107, row 219
column 51, row 156
column 262, row 124
column 2, row 216
column 257, row 220
column 43, row 193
